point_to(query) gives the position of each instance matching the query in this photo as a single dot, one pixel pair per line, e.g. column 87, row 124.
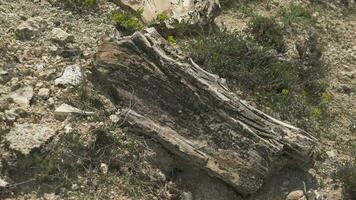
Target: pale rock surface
column 10, row 116
column 187, row 196
column 22, row 96
column 60, row 36
column 114, row 118
column 25, row 137
column 65, row 110
column 192, row 12
column 296, row 195
column 3, row 183
column 104, row 168
column 43, row 93
column 68, row 129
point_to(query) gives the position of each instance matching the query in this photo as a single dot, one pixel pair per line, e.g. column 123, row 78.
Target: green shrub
column 242, row 59
column 128, row 21
column 267, row 32
column 171, row 40
column 161, row 17
column 294, row 87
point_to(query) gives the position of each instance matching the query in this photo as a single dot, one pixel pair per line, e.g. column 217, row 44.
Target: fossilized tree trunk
column 193, row 114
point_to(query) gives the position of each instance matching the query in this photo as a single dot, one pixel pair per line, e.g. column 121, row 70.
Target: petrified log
column 193, row 114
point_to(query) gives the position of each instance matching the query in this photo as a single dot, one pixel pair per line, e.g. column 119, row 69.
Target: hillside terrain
column 188, row 100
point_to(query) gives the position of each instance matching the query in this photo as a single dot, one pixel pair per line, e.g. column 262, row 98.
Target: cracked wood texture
column 193, row 114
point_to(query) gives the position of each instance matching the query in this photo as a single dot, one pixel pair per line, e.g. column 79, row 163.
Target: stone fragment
column 60, row 36
column 114, row 118
column 51, row 196
column 71, row 76
column 65, row 110
column 10, row 116
column 22, row 96
column 104, row 168
column 349, row 74
column 4, row 76
column 296, row 195
column 29, row 28
column 68, row 129
column 187, row 196
column 25, row 137
column 314, row 195
column 43, row 93
column 75, row 187
column 3, row 183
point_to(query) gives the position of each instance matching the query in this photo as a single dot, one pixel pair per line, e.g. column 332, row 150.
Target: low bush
column 240, row 58
column 267, row 32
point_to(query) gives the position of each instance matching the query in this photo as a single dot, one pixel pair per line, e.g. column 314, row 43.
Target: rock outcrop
column 192, row 13
column 193, row 114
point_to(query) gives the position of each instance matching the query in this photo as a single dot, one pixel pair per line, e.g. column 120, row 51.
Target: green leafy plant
column 161, row 17
column 128, row 21
column 171, row 39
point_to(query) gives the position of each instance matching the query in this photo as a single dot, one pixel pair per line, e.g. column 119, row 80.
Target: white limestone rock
column 71, row 76
column 65, row 110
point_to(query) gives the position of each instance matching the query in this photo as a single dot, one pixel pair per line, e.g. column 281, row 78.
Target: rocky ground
column 46, row 100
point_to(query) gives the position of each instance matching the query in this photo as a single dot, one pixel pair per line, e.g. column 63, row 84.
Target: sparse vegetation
column 254, row 65
column 77, row 5
column 295, row 14
column 76, row 159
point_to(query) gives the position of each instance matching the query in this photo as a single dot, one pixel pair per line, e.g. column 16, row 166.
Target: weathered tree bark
column 193, row 114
